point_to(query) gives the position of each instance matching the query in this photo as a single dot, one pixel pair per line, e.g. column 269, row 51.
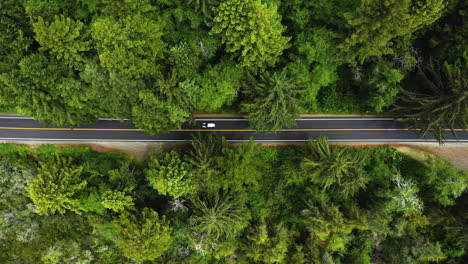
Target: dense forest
column 214, row 203
column 157, row 62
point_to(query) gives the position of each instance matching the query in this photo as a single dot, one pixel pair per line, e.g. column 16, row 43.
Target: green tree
column 64, row 38
column 126, row 7
column 116, row 201
column 375, row 24
column 204, row 7
column 440, row 102
column 267, row 244
column 403, row 197
column 251, row 28
column 335, row 167
column 145, row 236
column 55, row 187
column 218, row 217
column 273, row 102
column 240, row 167
column 315, row 63
column 203, row 154
column 383, row 85
column 216, row 86
column 15, row 35
column 169, row 174
column 130, row 45
column 48, row 91
column 446, row 182
column 156, row 115
column 13, row 181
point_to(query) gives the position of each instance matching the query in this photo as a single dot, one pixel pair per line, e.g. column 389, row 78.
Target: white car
column 208, row 125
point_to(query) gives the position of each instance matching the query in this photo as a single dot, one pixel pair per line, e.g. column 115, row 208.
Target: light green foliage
column 218, row 217
column 252, row 29
column 169, row 174
column 202, row 155
column 45, row 89
column 91, row 202
column 335, row 167
column 240, row 166
column 273, row 102
column 185, row 60
column 268, row 212
column 13, row 182
column 447, row 183
column 329, row 226
column 55, row 187
column 64, row 38
column 117, row 201
column 67, row 252
column 169, row 87
column 156, row 115
column 383, row 86
column 267, row 245
column 145, row 236
column 404, row 197
column 130, row 45
column 315, row 65
column 218, row 87
column 375, row 24
column 441, row 100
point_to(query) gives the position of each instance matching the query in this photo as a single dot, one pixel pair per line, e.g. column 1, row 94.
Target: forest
column 157, row 62
column 214, row 203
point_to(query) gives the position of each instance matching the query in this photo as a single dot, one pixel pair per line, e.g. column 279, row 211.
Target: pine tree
column 253, row 30
column 334, row 167
column 145, row 236
column 273, row 102
column 65, row 38
column 169, row 174
column 376, row 23
column 440, row 102
column 56, row 186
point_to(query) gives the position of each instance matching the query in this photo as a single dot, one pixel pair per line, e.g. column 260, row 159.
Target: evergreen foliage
column 55, row 187
column 248, row 204
column 441, row 102
column 273, row 102
column 252, row 29
column 67, row 63
column 170, row 175
column 143, row 237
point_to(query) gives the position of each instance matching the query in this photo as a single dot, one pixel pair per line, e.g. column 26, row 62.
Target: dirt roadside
column 454, row 152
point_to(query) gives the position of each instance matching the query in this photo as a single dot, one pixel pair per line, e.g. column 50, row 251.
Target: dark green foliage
column 205, row 7
column 441, row 102
column 218, row 217
column 334, row 167
column 273, row 102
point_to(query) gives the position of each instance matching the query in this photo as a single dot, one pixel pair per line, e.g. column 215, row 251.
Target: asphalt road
column 340, row 129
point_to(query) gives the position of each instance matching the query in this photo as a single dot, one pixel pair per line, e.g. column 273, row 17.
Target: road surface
column 338, row 129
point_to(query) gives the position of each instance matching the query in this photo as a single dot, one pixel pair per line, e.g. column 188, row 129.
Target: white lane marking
column 237, row 140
